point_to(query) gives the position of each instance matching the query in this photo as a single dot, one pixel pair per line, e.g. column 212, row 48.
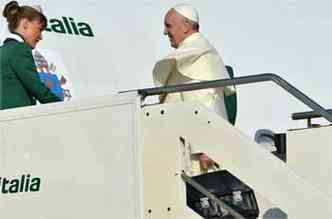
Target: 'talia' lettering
column 23, row 184
column 69, row 26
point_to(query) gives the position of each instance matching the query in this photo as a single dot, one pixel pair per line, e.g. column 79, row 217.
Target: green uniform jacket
column 19, row 81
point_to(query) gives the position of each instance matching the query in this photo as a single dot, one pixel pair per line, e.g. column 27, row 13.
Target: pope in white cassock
column 193, row 60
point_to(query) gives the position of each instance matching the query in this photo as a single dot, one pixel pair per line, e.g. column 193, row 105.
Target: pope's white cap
column 187, row 11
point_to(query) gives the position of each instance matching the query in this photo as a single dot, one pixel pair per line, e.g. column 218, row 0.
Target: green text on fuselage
column 67, row 25
column 25, row 183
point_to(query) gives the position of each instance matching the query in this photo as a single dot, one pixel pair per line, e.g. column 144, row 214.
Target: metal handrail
column 238, row 81
column 307, row 115
column 223, row 205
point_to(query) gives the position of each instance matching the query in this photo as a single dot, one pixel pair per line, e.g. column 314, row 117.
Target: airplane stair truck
column 114, row 157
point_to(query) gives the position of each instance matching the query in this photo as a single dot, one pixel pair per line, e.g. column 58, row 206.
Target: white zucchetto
column 187, row 11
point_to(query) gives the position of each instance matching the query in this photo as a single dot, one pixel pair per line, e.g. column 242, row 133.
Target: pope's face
column 175, row 28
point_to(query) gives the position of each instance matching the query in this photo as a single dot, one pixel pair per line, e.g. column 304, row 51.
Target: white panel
column 309, row 153
column 85, row 157
column 208, row 133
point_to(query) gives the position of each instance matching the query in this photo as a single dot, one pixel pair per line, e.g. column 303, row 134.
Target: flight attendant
column 20, row 84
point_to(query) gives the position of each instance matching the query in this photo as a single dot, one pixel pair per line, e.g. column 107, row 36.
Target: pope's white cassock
column 194, row 60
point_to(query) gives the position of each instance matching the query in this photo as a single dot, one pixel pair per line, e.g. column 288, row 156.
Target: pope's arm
column 25, row 69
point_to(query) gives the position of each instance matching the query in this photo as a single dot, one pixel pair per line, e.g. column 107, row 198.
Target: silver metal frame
column 238, row 81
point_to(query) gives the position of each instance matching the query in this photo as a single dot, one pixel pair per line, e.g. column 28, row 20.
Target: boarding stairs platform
column 115, row 157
